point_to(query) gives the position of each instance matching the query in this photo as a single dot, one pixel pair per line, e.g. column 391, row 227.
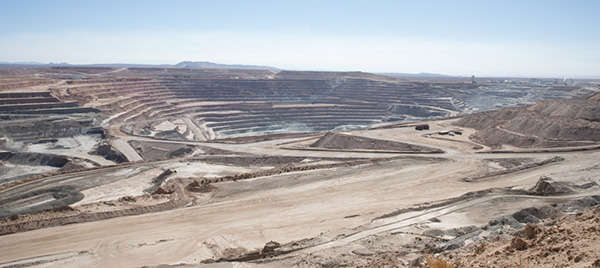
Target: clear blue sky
column 531, row 38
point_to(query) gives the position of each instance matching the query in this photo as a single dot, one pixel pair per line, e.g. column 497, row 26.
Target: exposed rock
column 556, row 242
column 72, row 166
column 417, row 111
column 128, row 199
column 506, row 220
column 546, row 186
column 161, row 190
column 110, row 153
column 422, row 127
column 34, row 159
column 62, row 209
column 171, row 135
column 197, row 187
column 579, row 205
column 158, row 181
column 270, row 247
column 531, row 231
column 529, row 215
column 181, row 152
column 518, row 243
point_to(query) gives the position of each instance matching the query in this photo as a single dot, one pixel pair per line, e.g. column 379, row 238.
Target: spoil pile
column 348, row 142
column 546, row 186
column 567, row 241
column 549, row 123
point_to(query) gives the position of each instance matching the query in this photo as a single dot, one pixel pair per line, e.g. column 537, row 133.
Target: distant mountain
column 211, row 65
column 183, row 64
column 413, row 75
column 127, row 65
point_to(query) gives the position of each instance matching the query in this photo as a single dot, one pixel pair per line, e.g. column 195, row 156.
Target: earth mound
column 546, row 186
column 596, row 97
column 348, row 142
column 549, row 123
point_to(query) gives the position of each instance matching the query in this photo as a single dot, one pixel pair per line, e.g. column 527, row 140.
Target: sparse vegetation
column 438, row 262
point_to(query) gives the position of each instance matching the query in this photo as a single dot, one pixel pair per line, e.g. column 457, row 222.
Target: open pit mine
column 176, row 167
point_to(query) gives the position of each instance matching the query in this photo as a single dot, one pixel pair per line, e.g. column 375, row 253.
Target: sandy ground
column 127, row 150
column 9, row 171
column 132, row 186
column 245, row 215
column 77, row 146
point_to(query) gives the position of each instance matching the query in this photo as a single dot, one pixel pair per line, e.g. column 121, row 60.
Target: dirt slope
column 549, row 123
column 348, row 142
column 595, row 97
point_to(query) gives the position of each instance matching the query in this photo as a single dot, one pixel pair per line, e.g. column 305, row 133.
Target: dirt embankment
column 293, row 168
column 510, row 167
column 549, row 123
column 34, row 159
column 33, row 131
column 266, row 160
column 252, row 139
column 179, row 197
column 338, row 141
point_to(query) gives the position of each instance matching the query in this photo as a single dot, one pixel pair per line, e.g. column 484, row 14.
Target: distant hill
column 211, row 65
column 182, row 65
column 423, row 75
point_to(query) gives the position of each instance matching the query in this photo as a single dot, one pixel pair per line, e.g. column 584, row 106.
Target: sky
column 482, row 38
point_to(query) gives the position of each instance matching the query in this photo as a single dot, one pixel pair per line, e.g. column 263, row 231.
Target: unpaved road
column 127, row 150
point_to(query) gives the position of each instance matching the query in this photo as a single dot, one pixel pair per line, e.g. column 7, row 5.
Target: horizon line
column 388, row 73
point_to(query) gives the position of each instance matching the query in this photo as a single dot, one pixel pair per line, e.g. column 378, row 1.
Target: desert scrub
column 436, row 262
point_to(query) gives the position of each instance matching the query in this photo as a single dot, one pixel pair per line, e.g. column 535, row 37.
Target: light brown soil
column 569, row 241
column 549, row 123
column 368, row 197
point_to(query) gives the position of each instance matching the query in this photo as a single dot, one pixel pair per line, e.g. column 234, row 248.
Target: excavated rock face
column 34, row 159
column 529, row 215
column 110, row 153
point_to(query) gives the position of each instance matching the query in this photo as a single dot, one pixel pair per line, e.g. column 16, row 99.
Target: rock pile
column 558, row 241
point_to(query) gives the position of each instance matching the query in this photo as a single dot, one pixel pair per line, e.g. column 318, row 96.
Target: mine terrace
column 130, row 167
